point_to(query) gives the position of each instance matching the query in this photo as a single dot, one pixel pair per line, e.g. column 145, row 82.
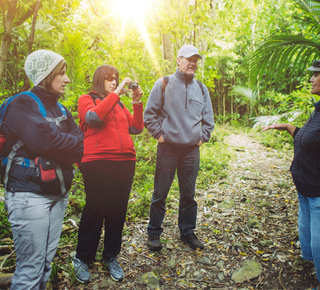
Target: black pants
column 107, row 186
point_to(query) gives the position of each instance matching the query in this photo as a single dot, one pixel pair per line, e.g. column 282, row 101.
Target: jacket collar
column 182, row 76
column 317, row 105
column 47, row 97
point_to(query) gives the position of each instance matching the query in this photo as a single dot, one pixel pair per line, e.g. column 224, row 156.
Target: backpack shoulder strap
column 95, row 96
column 37, row 99
column 40, row 104
column 62, row 109
column 43, row 111
column 6, row 103
column 165, row 81
column 13, row 152
column 201, row 86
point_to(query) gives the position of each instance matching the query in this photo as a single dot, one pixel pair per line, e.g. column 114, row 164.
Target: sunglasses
column 316, row 63
column 111, row 78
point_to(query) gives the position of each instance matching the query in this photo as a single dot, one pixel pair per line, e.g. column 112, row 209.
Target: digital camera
column 133, row 86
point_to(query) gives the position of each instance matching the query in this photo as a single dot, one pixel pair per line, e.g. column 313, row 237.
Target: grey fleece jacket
column 183, row 115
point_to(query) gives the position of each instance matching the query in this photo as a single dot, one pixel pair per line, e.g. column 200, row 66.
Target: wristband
column 122, row 89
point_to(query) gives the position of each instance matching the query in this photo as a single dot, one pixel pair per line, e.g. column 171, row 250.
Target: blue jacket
column 305, row 167
column 183, row 115
column 24, row 121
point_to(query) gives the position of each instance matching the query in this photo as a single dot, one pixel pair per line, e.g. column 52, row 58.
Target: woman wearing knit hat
column 46, row 142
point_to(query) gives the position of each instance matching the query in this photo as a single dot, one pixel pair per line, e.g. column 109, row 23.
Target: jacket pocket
column 197, row 102
column 196, row 107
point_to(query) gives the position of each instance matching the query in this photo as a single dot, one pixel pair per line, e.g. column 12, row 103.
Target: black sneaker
column 81, row 270
column 192, row 241
column 116, row 272
column 154, row 243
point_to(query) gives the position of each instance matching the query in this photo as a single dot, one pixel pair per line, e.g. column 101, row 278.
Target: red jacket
column 106, row 126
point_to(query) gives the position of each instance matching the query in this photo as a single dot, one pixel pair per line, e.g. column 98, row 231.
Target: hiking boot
column 114, row 268
column 154, row 243
column 81, row 270
column 192, row 241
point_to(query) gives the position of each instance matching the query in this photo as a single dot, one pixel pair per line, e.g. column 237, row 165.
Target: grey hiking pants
column 36, row 222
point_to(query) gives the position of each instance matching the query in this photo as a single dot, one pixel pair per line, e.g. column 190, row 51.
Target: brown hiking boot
column 154, row 243
column 192, row 241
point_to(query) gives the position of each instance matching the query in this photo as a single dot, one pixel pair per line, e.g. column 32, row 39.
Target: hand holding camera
column 137, row 93
column 120, row 90
column 132, row 86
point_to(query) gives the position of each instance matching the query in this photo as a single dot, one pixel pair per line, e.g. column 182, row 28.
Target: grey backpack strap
column 59, row 172
column 61, row 179
column 12, row 153
column 23, row 162
column 57, row 120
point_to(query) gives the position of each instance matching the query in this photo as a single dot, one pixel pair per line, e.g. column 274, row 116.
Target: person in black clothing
column 36, row 205
column 305, row 171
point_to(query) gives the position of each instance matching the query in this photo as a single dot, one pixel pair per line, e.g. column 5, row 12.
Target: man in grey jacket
column 179, row 115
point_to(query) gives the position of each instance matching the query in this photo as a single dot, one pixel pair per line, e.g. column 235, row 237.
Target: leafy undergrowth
column 257, row 185
column 280, row 140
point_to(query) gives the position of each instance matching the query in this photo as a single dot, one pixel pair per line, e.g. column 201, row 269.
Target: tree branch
column 98, row 14
column 31, row 10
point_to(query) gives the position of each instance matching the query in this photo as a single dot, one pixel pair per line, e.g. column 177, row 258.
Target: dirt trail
column 259, row 187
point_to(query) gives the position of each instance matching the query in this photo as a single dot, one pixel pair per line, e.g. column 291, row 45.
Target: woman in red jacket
column 107, row 167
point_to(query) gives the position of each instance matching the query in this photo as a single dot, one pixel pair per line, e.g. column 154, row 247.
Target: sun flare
column 132, row 10
column 136, row 11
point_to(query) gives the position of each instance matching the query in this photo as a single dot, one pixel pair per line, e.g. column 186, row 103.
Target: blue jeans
column 186, row 161
column 36, row 222
column 309, row 229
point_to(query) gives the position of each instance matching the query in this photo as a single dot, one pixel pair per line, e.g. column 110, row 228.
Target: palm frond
column 311, row 8
column 278, row 55
column 246, row 92
column 263, row 121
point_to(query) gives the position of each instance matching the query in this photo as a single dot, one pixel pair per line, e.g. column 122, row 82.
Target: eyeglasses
column 111, row 78
column 316, row 63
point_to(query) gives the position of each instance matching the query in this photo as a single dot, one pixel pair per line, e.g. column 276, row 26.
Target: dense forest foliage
column 246, row 76
column 255, row 55
column 255, row 59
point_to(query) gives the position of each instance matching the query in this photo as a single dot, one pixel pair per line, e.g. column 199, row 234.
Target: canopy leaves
column 287, row 56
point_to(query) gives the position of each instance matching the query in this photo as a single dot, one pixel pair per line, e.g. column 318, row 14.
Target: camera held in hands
column 133, row 86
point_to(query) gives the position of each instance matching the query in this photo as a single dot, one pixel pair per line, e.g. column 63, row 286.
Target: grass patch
column 273, row 138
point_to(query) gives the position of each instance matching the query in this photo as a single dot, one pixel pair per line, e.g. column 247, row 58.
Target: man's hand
column 161, row 140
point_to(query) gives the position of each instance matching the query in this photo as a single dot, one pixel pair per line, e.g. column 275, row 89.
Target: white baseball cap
column 188, row 51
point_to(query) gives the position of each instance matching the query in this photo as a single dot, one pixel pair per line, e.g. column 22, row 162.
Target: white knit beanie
column 40, row 63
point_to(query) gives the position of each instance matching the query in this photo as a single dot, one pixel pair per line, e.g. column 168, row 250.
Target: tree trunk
column 6, row 39
column 33, row 26
column 168, row 53
column 194, row 25
column 26, row 82
column 224, row 108
column 233, row 96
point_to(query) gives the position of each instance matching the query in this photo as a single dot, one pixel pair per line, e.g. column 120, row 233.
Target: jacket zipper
column 186, row 95
column 115, row 118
